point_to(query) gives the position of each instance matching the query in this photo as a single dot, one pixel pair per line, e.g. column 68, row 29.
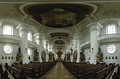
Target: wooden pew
column 102, row 74
column 36, row 69
column 88, row 71
column 16, row 73
column 30, row 72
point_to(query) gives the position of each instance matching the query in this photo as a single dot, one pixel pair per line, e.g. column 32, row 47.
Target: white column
column 78, row 51
column 40, row 45
column 94, row 34
column 79, row 39
column 24, row 43
column 1, row 28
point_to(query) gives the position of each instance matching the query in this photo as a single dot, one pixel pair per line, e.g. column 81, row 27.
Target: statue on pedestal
column 99, row 56
column 68, row 57
column 53, row 57
column 65, row 57
column 75, row 56
column 43, row 56
column 59, row 54
column 50, row 57
column 19, row 56
column 36, row 55
column 82, row 56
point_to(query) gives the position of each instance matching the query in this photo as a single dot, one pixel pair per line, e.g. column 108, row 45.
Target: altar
column 59, row 55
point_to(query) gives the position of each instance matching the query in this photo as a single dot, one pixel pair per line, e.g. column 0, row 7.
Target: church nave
column 58, row 72
column 59, row 39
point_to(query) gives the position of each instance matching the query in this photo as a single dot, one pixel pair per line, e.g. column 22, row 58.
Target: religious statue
column 50, row 57
column 53, row 58
column 19, row 56
column 68, row 56
column 82, row 56
column 36, row 55
column 75, row 56
column 65, row 57
column 43, row 56
column 99, row 56
column 59, row 54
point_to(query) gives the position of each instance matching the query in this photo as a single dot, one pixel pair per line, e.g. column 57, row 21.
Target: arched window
column 30, row 36
column 7, row 30
column 29, row 51
column 111, row 29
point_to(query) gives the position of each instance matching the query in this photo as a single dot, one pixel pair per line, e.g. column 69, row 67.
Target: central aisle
column 58, row 72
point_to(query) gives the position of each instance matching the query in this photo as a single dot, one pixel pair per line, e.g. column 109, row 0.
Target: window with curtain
column 30, row 36
column 7, row 30
column 111, row 29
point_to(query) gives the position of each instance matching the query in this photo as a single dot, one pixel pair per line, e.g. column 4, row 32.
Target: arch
column 12, row 22
column 33, row 29
column 61, row 31
column 106, row 21
column 59, row 39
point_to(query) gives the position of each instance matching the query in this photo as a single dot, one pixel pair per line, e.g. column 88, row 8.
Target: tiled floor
column 58, row 72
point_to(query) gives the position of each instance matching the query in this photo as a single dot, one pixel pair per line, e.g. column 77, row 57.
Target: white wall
column 87, row 37
column 111, row 58
column 104, row 46
column 9, row 59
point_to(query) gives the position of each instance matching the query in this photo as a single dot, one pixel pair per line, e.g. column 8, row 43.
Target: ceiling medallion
column 58, row 15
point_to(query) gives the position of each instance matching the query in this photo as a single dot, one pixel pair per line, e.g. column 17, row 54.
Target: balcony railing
column 104, row 38
column 10, row 38
column 108, row 36
column 32, row 44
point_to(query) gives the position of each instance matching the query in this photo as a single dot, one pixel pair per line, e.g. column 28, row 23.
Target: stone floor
column 58, row 72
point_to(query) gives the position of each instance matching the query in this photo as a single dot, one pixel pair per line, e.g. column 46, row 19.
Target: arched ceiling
column 12, row 9
column 58, row 15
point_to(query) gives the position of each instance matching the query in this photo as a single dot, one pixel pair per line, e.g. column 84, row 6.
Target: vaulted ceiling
column 59, row 18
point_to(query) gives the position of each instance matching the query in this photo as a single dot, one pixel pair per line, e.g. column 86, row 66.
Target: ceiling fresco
column 59, row 42
column 59, row 34
column 58, row 15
